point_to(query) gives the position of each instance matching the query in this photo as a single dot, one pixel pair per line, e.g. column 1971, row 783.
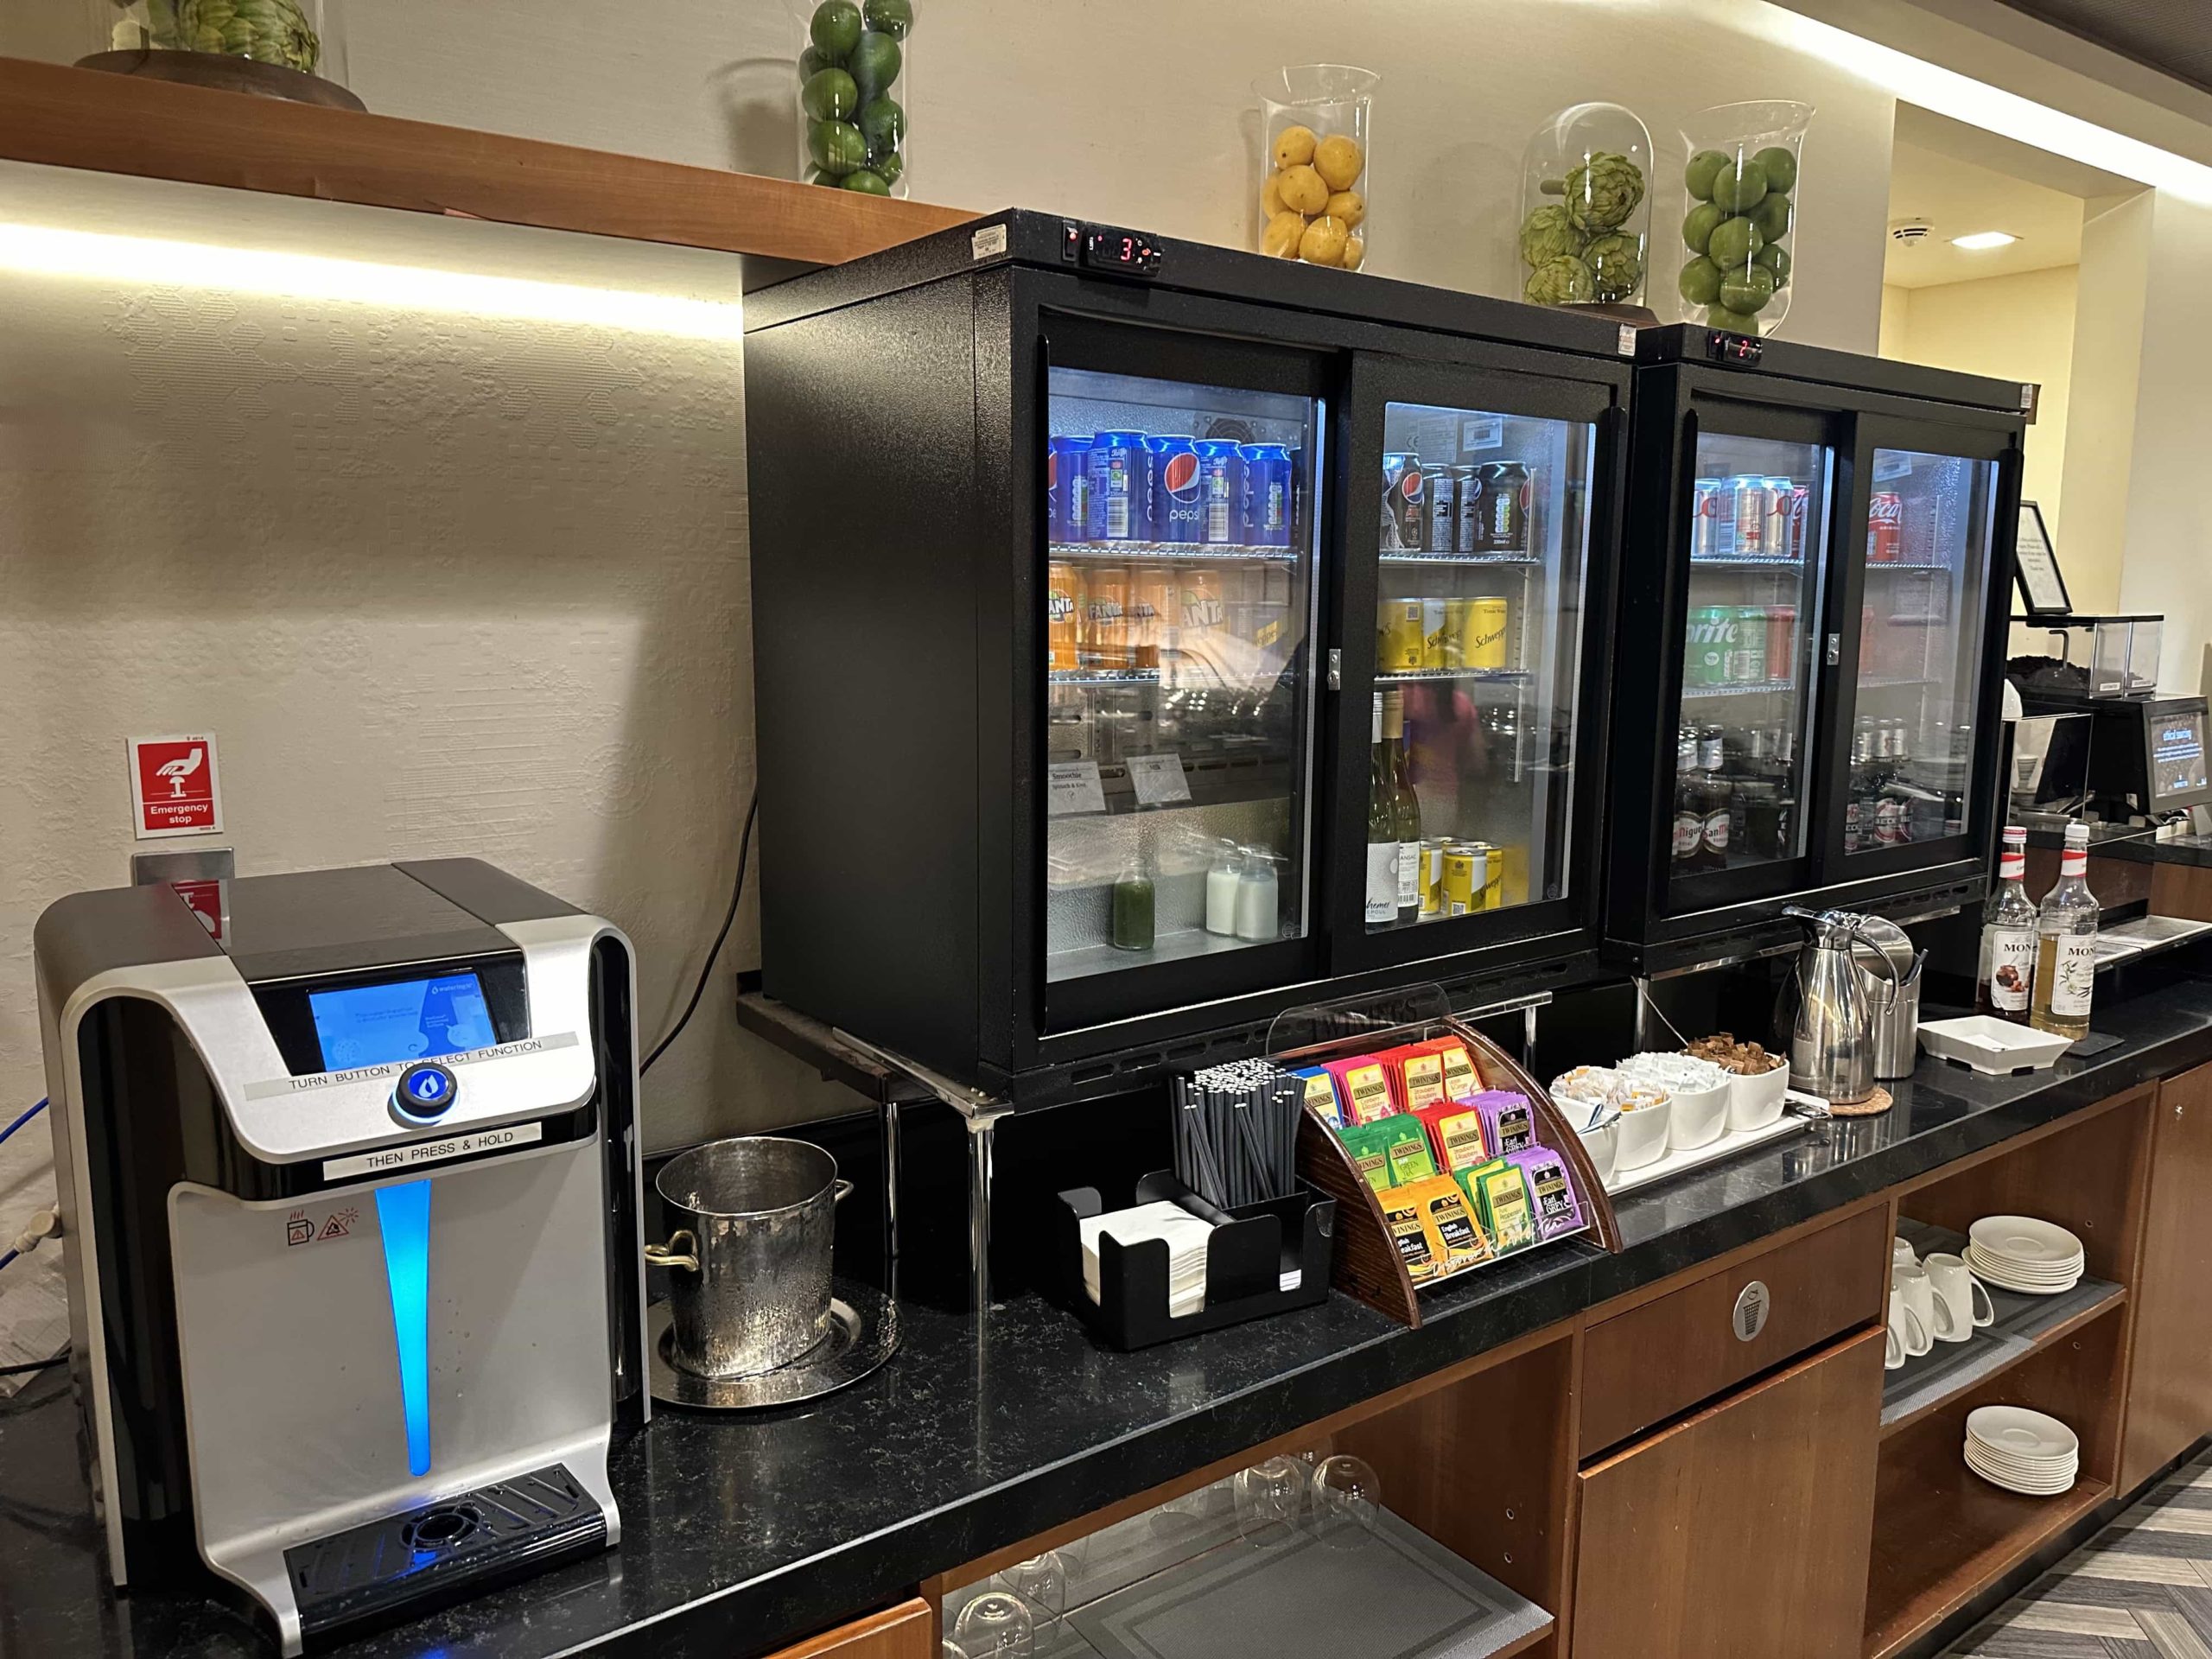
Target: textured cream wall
column 439, row 584
column 446, row 586
column 2011, row 329
column 2169, row 557
column 2111, row 348
column 1140, row 111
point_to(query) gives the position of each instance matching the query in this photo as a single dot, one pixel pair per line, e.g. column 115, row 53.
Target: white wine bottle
column 2066, row 944
column 1381, row 907
column 1405, row 806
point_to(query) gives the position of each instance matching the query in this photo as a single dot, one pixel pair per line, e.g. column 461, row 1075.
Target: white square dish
column 1988, row 1044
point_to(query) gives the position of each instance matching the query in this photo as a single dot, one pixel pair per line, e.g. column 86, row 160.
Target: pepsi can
column 1221, row 492
column 1067, row 489
column 1401, row 502
column 1116, row 512
column 1267, row 495
column 1173, row 495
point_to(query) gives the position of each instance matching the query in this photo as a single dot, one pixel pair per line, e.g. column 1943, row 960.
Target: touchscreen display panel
column 405, row 1019
column 2177, row 755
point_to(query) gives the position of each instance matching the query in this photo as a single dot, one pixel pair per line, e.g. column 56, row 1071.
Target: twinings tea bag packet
column 1410, row 1158
column 1362, row 1089
column 1413, row 1231
column 1509, row 1121
column 1418, row 1074
column 1506, row 1213
column 1461, row 1080
column 1369, row 1145
column 1455, row 1135
column 1446, row 1206
column 1321, row 1095
column 1551, row 1191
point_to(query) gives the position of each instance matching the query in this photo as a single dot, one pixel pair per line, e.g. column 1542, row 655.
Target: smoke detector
column 1911, row 232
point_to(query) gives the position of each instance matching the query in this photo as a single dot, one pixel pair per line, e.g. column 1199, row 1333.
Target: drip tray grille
column 443, row 1550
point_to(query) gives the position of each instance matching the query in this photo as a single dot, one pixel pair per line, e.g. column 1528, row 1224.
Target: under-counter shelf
column 1194, row 1579
column 2024, row 1326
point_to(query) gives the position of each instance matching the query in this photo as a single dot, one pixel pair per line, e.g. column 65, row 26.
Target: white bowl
column 1644, row 1135
column 1603, row 1145
column 1700, row 1117
column 1755, row 1101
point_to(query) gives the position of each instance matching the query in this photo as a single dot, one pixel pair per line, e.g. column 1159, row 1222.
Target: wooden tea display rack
column 1367, row 1266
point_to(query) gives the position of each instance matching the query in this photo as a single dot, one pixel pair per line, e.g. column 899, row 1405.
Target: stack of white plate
column 2022, row 1450
column 2036, row 1258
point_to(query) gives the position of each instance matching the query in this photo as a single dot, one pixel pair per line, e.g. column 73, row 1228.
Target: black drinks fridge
column 1813, row 633
column 1151, row 636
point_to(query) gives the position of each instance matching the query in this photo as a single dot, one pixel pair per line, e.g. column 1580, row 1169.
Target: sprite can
column 1747, row 650
column 1712, row 631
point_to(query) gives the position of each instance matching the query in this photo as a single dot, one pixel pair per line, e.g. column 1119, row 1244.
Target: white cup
column 1908, row 1336
column 1919, row 1291
column 1963, row 1297
column 1902, row 1255
column 1909, row 1328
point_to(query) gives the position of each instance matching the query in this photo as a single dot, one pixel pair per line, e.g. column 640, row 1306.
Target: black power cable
column 707, row 968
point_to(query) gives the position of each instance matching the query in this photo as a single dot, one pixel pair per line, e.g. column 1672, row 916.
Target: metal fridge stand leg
column 980, row 1113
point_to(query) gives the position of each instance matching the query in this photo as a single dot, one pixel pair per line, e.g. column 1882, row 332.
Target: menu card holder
column 1368, row 1268
column 1248, row 1253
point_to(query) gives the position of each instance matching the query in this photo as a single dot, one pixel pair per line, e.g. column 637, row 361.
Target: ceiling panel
column 2173, row 36
column 1956, row 196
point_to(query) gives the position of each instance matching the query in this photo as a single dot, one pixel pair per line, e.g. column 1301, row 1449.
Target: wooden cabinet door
column 1742, row 1531
column 900, row 1632
column 2170, row 1379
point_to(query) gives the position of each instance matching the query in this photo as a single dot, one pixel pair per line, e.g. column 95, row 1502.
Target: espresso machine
column 350, row 1187
column 2140, row 754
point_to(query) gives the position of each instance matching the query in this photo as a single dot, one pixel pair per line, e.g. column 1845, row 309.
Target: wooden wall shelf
column 60, row 116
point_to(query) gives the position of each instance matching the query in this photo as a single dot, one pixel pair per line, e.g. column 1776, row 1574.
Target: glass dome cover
column 1585, row 232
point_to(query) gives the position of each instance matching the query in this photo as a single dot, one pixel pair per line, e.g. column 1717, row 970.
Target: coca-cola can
column 1781, row 642
column 1884, row 527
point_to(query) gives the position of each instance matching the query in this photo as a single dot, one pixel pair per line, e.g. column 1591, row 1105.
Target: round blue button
column 426, row 1089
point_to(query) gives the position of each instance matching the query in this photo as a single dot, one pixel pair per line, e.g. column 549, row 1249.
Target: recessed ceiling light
column 1982, row 239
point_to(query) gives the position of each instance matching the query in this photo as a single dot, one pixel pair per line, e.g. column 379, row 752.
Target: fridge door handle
column 1336, row 668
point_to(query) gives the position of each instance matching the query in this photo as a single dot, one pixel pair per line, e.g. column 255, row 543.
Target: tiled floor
column 2141, row 1589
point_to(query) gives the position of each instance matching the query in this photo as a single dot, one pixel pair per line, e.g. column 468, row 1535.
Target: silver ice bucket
column 749, row 1257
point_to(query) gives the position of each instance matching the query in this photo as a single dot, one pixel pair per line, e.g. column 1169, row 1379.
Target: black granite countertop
column 740, row 1535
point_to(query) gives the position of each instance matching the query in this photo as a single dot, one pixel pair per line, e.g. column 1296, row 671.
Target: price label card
column 1483, row 432
column 1073, row 786
column 1158, row 778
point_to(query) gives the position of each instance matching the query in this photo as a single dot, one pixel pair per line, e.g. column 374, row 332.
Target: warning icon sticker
column 298, row 1230
column 341, row 1224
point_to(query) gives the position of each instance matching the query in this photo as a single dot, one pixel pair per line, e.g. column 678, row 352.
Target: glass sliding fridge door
column 1482, row 557
column 1179, row 593
column 1924, row 593
column 1737, row 800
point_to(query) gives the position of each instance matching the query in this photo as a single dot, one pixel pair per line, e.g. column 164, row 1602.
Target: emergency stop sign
column 172, row 786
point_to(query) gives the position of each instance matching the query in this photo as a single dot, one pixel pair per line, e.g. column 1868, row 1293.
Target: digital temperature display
column 1107, row 249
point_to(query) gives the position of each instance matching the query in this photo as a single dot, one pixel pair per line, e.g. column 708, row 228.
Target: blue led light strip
column 404, row 1214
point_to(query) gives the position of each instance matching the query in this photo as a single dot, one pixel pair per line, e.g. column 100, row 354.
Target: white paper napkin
column 1185, row 1235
